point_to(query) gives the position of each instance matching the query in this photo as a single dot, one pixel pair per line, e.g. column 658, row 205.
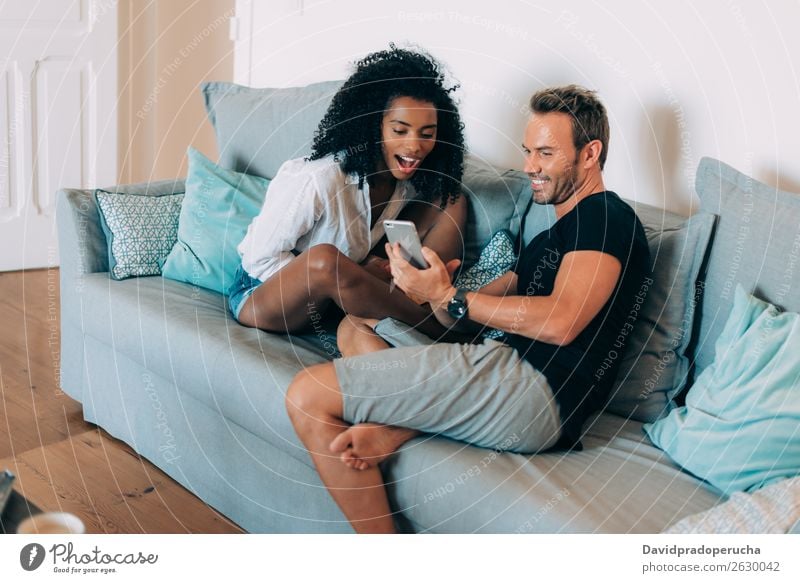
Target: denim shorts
column 242, row 287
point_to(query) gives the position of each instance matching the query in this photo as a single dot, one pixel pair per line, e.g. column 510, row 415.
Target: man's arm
column 504, row 285
column 583, row 284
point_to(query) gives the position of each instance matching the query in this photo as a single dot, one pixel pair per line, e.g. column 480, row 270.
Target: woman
column 392, row 135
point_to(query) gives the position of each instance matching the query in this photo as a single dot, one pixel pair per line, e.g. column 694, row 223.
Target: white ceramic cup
column 52, row 523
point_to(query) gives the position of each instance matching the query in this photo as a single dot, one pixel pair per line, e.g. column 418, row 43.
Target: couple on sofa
column 389, row 146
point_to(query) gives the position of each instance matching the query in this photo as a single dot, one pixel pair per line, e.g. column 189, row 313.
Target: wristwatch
column 457, row 307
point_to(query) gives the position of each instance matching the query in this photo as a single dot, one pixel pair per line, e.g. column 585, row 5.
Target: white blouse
column 314, row 202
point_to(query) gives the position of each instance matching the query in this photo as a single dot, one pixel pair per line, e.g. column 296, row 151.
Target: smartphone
column 405, row 233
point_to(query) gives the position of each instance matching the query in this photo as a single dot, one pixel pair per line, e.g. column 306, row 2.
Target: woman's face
column 409, row 134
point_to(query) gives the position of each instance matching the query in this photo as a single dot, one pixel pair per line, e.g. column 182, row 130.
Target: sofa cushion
column 619, row 483
column 186, row 335
column 756, row 244
column 655, row 365
column 259, row 129
column 217, row 208
column 740, row 428
column 140, row 230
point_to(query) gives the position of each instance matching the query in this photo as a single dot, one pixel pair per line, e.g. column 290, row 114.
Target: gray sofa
column 162, row 366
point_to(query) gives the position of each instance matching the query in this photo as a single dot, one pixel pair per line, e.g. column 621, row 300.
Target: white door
column 58, row 126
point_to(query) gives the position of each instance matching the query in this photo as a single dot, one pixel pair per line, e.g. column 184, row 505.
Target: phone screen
column 405, row 233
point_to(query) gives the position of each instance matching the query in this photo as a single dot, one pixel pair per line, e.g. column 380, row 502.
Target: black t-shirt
column 582, row 372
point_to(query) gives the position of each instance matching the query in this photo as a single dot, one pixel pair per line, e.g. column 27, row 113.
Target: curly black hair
column 351, row 128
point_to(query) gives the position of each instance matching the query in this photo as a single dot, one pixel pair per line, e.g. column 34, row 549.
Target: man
column 563, row 309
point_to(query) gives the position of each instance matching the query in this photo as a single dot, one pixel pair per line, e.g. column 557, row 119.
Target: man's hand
column 432, row 285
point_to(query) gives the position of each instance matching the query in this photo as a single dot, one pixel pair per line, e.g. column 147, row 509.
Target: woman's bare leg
column 314, row 404
column 304, row 288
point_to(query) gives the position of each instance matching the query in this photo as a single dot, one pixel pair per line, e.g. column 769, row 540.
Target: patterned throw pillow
column 140, row 229
column 496, row 259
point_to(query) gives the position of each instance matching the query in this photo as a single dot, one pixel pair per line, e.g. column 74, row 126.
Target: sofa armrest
column 83, row 250
column 81, row 241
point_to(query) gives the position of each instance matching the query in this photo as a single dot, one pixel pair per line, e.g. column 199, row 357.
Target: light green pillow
column 140, row 230
column 740, row 428
column 218, row 207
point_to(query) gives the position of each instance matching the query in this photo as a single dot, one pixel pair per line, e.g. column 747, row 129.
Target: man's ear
column 591, row 154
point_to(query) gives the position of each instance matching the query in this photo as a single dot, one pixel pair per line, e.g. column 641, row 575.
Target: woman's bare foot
column 366, row 445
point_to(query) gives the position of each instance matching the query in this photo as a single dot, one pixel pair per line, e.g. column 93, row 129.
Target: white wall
column 681, row 81
column 166, row 49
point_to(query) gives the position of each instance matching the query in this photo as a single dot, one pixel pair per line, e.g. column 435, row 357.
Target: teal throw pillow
column 218, row 207
column 140, row 230
column 740, row 428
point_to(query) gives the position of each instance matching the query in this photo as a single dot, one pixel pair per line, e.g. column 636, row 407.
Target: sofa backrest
column 259, row 129
column 498, row 198
column 756, row 243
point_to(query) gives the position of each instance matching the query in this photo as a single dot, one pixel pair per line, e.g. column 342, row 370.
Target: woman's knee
column 336, row 273
column 327, row 266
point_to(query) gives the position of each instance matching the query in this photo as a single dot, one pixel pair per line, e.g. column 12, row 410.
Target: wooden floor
column 63, row 463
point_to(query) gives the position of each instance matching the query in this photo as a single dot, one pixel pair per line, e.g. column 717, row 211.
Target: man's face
column 550, row 157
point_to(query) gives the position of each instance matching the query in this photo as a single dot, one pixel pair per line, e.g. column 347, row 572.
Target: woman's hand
column 432, row 285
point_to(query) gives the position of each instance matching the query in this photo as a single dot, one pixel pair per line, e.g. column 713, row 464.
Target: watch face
column 457, row 309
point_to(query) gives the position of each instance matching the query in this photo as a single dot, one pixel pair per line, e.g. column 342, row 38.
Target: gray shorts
column 482, row 394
